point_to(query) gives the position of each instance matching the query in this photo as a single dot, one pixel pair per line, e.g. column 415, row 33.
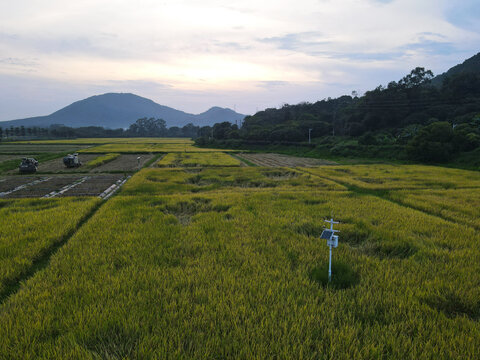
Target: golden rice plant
column 29, row 227
column 228, row 275
column 198, row 160
column 102, row 160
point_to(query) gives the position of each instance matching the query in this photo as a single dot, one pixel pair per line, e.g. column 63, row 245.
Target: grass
column 198, row 160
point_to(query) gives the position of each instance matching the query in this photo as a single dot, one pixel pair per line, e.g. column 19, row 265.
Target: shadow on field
column 343, row 276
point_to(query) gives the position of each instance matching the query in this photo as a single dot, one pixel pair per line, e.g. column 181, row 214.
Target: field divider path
column 153, row 162
column 244, row 162
column 21, row 187
column 67, row 187
column 384, row 194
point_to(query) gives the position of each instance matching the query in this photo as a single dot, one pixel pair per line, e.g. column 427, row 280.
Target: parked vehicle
column 28, row 166
column 71, row 161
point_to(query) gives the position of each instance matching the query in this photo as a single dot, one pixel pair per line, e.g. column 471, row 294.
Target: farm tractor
column 28, row 166
column 71, row 161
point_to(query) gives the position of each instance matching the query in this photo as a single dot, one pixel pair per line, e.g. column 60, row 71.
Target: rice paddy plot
column 390, row 177
column 232, row 276
column 31, row 149
column 458, row 205
column 101, row 160
column 277, row 160
column 170, row 181
column 198, row 160
column 93, row 141
column 28, row 228
column 147, row 148
column 124, row 163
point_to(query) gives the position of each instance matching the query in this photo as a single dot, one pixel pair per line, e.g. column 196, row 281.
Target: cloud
column 186, row 53
column 272, row 84
column 306, row 42
column 464, row 14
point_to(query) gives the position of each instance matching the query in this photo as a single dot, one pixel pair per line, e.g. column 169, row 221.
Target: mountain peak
column 471, row 65
column 120, row 110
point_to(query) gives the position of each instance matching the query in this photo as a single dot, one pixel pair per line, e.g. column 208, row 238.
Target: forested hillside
column 410, row 118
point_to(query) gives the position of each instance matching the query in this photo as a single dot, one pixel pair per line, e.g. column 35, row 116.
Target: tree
column 434, row 143
column 148, row 127
column 205, row 132
column 222, row 130
column 417, row 77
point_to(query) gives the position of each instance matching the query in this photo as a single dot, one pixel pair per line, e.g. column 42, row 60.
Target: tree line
column 144, row 127
column 409, row 114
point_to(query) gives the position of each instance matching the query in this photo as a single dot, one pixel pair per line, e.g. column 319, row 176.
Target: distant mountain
column 471, row 65
column 116, row 110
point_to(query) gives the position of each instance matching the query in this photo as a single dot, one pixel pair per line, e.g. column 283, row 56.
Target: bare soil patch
column 94, row 185
column 11, row 182
column 57, row 166
column 278, row 160
column 43, row 188
column 125, row 162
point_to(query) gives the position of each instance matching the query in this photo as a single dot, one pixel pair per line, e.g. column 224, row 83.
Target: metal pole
column 330, row 266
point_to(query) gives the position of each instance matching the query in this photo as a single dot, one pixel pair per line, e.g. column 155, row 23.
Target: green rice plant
column 235, row 281
column 102, row 160
column 29, row 227
column 198, row 160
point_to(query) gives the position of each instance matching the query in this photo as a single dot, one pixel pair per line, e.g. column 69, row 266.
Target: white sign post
column 332, row 241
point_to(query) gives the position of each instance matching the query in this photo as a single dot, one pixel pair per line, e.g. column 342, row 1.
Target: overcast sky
column 195, row 54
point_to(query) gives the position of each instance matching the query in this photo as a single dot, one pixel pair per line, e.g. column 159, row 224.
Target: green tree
column 434, row 143
column 417, row 77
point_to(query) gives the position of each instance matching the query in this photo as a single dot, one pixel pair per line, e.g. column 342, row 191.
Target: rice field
column 102, row 160
column 458, row 205
column 200, row 288
column 93, row 141
column 388, row 177
column 198, row 160
column 28, row 228
column 172, row 181
column 148, row 148
column 225, row 262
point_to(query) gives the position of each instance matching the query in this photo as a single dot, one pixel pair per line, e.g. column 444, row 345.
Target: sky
column 245, row 55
